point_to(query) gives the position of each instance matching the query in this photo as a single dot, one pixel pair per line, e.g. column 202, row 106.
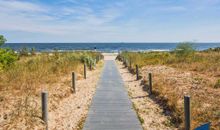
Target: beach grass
column 202, row 84
column 22, row 82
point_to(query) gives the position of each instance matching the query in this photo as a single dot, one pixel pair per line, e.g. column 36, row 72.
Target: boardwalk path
column 111, row 108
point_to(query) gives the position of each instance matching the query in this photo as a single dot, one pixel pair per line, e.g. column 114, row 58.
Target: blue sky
column 110, row 20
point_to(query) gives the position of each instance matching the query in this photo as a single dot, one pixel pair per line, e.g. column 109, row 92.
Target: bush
column 184, row 50
column 216, row 49
column 7, row 57
column 2, row 40
column 87, row 60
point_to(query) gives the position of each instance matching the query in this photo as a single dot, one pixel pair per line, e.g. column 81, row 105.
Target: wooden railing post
column 126, row 63
column 137, row 72
column 130, row 64
column 187, row 112
column 95, row 63
column 44, row 96
column 90, row 65
column 97, row 58
column 74, row 82
column 84, row 70
column 150, row 83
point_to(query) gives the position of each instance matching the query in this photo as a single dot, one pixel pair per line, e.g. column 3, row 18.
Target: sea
column 105, row 47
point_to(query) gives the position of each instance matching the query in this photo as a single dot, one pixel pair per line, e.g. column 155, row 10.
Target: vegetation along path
column 111, row 108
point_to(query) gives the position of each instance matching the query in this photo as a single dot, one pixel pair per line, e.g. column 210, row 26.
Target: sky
column 24, row 21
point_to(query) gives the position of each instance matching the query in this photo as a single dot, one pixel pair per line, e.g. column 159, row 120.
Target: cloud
column 20, row 6
column 37, row 18
column 95, row 20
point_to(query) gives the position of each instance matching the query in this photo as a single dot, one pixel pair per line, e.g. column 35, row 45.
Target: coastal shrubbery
column 29, row 75
column 203, row 68
column 26, row 51
column 2, row 40
column 184, row 50
column 90, row 59
column 7, row 55
column 183, row 56
column 23, row 76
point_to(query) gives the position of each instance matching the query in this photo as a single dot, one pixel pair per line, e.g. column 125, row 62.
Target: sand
column 71, row 112
column 109, row 56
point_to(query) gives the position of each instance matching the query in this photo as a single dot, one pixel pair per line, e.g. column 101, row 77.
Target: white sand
column 110, row 56
column 72, row 110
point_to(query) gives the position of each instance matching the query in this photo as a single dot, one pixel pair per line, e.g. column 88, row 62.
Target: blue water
column 106, row 47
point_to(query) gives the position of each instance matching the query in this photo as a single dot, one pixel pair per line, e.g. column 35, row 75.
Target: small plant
column 33, row 51
column 7, row 56
column 24, row 51
column 216, row 49
column 217, row 85
column 184, row 50
column 88, row 60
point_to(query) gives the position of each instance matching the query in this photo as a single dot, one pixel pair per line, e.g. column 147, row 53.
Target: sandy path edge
column 71, row 112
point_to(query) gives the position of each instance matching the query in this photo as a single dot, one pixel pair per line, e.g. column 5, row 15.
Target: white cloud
column 81, row 22
column 21, row 6
column 27, row 17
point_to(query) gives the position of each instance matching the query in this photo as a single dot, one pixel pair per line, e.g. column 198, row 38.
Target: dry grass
column 196, row 75
column 22, row 82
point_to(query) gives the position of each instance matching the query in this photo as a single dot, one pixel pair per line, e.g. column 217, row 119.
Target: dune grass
column 205, row 100
column 202, row 62
column 22, row 81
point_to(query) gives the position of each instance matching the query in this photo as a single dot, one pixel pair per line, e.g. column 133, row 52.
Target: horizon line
column 107, row 42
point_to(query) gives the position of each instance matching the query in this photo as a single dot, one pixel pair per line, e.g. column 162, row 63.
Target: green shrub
column 2, row 40
column 87, row 60
column 7, row 57
column 184, row 50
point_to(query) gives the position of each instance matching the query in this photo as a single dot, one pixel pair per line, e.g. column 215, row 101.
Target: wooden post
column 150, row 83
column 123, row 60
column 74, row 82
column 90, row 65
column 126, row 62
column 97, row 58
column 137, row 73
column 95, row 63
column 44, row 96
column 187, row 112
column 130, row 63
column 84, row 70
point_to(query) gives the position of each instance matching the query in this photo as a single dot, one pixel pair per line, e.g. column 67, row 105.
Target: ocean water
column 105, row 47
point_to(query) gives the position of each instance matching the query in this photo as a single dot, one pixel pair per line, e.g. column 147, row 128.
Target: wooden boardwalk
column 111, row 108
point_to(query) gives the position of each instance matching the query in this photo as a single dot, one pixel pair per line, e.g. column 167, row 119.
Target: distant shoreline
column 104, row 47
